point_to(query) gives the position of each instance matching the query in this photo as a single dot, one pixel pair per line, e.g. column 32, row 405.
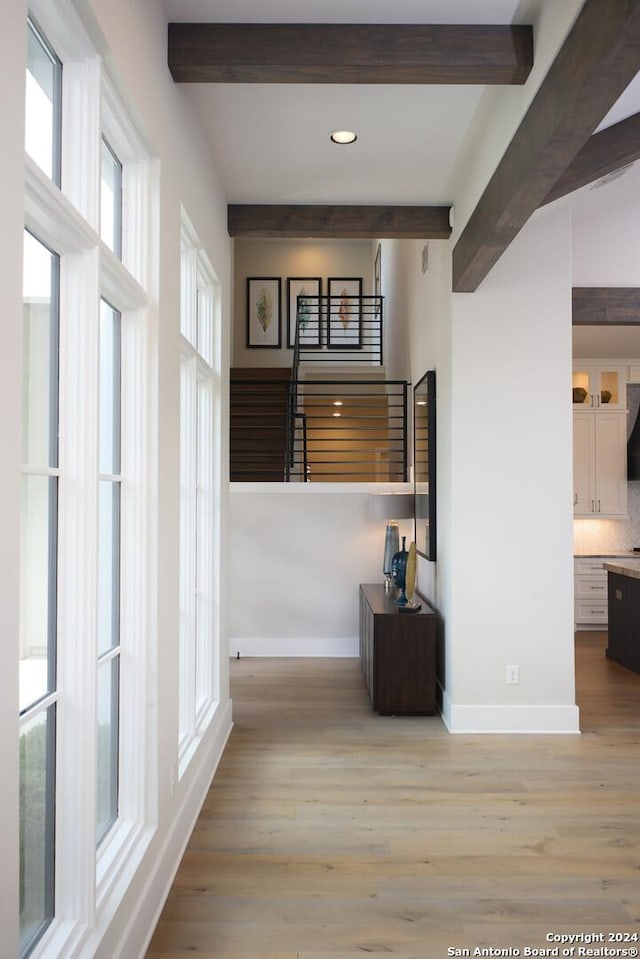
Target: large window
column 111, row 199
column 199, row 408
column 84, row 594
column 43, row 104
column 109, row 501
column 38, row 591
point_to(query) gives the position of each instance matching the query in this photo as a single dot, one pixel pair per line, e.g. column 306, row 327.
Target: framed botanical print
column 308, row 310
column 424, row 464
column 344, row 326
column 263, row 312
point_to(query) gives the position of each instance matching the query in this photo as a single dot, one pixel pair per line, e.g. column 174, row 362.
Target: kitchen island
column 624, row 612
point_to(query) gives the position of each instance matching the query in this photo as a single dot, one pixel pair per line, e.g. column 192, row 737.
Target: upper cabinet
column 600, row 438
column 598, row 386
column 600, row 465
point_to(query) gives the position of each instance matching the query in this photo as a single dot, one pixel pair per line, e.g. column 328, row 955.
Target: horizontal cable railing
column 295, row 426
column 347, row 431
column 339, row 329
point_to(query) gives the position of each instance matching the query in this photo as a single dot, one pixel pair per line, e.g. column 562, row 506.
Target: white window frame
column 200, row 432
column 56, row 131
column 49, row 698
column 90, row 882
column 113, row 654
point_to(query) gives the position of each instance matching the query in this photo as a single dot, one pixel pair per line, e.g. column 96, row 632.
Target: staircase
column 332, row 416
column 258, row 424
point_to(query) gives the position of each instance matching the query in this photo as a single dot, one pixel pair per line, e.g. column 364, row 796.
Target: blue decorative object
column 391, row 546
column 399, row 572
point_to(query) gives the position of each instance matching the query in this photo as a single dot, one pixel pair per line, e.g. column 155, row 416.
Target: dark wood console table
column 397, row 653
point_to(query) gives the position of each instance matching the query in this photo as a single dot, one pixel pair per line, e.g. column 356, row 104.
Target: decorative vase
column 399, row 572
column 391, row 546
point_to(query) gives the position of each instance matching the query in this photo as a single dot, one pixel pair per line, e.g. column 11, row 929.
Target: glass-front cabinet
column 596, row 386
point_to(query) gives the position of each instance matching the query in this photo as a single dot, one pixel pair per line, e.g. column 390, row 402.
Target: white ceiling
column 270, row 142
column 343, row 11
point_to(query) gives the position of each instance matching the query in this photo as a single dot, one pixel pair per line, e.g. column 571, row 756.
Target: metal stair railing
column 339, row 329
column 348, row 431
column 343, row 430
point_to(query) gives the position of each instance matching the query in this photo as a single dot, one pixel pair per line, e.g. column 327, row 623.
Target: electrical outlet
column 513, row 675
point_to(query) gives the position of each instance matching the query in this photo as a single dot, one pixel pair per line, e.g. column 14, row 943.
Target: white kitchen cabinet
column 590, row 591
column 600, row 464
column 599, row 386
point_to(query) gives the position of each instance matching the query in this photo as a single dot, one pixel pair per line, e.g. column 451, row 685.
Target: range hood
column 633, row 451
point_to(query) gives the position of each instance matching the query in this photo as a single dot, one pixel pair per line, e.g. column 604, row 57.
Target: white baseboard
column 510, row 719
column 140, row 925
column 319, row 648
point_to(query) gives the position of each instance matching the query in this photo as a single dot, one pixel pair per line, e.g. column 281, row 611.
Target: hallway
column 330, row 831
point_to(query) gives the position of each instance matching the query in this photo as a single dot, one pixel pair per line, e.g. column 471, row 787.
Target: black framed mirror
column 424, row 464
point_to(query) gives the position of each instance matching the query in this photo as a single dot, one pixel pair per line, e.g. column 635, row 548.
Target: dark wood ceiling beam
column 349, row 53
column 605, row 306
column 604, row 153
column 349, row 222
column 596, row 63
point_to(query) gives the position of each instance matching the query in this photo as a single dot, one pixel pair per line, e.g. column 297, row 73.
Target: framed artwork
column 263, row 312
column 424, row 464
column 344, row 330
column 310, row 311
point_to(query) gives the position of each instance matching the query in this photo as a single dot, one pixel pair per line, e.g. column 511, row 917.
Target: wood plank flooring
column 332, row 832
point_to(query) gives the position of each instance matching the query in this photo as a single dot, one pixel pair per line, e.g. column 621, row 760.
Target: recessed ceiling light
column 344, row 136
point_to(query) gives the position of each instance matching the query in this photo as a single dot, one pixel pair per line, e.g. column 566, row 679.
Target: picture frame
column 263, row 312
column 344, row 322
column 424, row 465
column 311, row 335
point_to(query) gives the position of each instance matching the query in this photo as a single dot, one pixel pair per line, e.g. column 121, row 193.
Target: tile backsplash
column 610, row 535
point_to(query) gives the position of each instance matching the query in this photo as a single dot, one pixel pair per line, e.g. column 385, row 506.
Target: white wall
column 606, row 233
column 395, row 275
column 291, row 258
column 419, row 304
column 12, row 73
column 511, row 469
column 297, row 556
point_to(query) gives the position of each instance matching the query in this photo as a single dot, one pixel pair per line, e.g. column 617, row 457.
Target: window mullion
column 188, row 519
column 204, row 523
column 109, row 655
column 81, row 137
column 75, row 858
column 135, row 200
column 40, row 706
column 135, row 495
column 199, row 664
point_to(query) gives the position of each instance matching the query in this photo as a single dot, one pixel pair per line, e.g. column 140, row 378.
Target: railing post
column 290, row 436
column 405, row 433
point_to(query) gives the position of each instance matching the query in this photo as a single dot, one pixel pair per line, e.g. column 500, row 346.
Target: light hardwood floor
column 331, row 832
